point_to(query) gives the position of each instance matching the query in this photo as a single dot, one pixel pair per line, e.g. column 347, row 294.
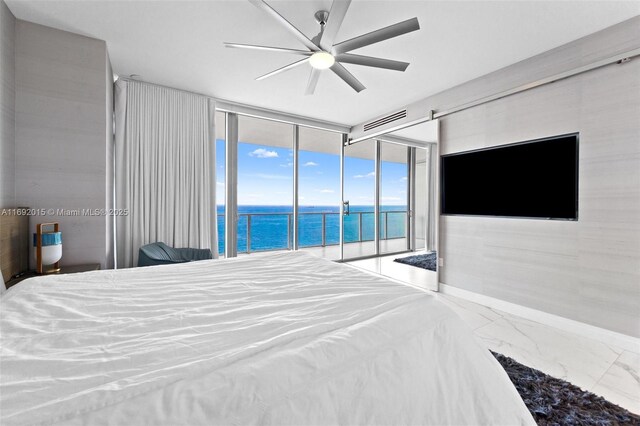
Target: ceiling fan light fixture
column 322, row 60
column 322, row 53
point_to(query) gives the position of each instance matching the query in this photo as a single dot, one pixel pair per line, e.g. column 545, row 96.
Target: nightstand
column 70, row 269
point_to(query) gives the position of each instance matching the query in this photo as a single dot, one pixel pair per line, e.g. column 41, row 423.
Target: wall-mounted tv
column 532, row 179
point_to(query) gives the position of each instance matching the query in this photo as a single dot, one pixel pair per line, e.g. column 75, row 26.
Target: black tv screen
column 533, row 179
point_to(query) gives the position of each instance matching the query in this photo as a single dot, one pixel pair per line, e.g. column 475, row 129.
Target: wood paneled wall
column 14, row 244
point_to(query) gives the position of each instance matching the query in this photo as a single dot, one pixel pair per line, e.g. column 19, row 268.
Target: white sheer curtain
column 165, row 169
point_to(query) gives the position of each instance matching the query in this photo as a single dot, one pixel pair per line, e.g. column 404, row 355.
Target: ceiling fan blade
column 283, row 69
column 269, row 48
column 334, row 22
column 376, row 36
column 347, row 77
column 370, row 61
column 260, row 4
column 313, row 81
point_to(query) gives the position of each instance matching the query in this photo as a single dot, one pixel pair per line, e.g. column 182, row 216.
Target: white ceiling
column 179, row 44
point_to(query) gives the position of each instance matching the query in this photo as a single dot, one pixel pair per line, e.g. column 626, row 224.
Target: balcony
column 319, row 233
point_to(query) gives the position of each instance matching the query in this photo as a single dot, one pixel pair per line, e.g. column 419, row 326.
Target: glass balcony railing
column 274, row 231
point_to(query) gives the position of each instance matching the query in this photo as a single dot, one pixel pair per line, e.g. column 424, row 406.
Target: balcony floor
column 355, row 250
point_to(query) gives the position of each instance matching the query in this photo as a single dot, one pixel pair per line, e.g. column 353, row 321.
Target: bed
column 278, row 338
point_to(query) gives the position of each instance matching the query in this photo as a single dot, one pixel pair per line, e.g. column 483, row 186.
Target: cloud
column 327, row 191
column 263, row 153
column 310, row 164
column 220, row 183
column 390, row 199
column 368, row 175
column 402, row 179
column 286, row 165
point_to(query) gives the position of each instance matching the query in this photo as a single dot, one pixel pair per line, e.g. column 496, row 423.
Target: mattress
column 279, row 338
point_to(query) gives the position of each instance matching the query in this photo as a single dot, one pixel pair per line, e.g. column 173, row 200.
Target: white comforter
column 279, row 339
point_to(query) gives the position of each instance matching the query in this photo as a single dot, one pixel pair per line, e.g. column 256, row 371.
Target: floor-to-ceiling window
column 289, row 190
column 319, row 192
column 265, row 185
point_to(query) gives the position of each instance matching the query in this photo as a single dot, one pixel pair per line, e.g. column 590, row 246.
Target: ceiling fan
column 323, row 53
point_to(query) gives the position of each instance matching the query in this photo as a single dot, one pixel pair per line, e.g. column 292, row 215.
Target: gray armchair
column 161, row 254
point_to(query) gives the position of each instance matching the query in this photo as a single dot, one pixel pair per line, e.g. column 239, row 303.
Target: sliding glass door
column 359, row 211
column 376, row 214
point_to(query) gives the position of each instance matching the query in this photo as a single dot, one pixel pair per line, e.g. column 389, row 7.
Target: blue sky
column 265, row 177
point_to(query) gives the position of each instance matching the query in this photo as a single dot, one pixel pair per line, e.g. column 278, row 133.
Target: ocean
column 271, row 226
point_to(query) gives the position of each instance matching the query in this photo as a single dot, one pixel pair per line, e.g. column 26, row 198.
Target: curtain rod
column 164, row 87
column 251, row 111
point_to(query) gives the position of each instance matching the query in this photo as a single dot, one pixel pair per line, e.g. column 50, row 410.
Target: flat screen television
column 532, row 179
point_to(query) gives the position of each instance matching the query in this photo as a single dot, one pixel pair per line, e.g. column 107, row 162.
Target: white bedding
column 281, row 338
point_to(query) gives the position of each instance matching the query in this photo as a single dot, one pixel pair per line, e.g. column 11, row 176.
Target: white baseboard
column 603, row 335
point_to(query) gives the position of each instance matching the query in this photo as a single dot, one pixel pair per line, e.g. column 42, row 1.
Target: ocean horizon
column 271, row 225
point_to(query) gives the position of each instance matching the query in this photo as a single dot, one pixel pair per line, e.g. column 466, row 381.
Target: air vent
column 385, row 120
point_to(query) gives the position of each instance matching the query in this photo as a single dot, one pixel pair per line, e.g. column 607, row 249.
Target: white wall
column 7, row 107
column 62, row 136
column 587, row 270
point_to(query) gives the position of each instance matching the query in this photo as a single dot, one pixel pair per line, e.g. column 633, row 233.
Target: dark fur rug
column 424, row 261
column 556, row 402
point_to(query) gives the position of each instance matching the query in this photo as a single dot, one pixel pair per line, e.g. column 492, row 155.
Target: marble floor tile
column 474, row 315
column 590, row 364
column 620, row 384
column 560, row 354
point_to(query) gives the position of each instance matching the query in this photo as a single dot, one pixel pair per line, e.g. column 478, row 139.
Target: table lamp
column 47, row 247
